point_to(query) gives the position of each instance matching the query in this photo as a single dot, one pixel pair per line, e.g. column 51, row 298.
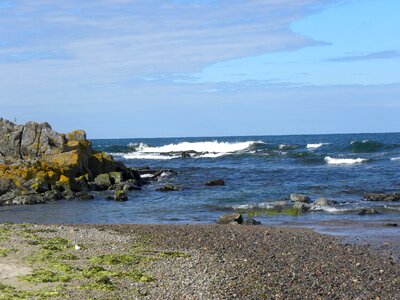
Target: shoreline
column 194, row 262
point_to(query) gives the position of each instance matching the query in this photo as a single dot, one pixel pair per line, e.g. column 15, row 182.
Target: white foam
column 146, row 175
column 155, row 156
column 213, row 147
column 315, row 146
column 395, row 159
column 347, row 161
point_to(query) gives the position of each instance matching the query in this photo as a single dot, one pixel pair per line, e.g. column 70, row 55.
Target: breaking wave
column 211, row 149
column 346, row 161
column 315, row 146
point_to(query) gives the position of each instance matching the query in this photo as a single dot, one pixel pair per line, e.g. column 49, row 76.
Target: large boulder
column 234, row 218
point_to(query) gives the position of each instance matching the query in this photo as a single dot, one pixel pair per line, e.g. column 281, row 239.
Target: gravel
column 236, row 262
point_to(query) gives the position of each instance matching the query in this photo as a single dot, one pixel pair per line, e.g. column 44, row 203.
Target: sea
column 259, row 173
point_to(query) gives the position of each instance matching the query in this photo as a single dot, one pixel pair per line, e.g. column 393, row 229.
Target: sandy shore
column 189, row 262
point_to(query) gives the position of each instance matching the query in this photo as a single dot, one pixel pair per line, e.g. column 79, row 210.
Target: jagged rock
column 38, row 159
column 120, row 195
column 52, row 196
column 215, row 182
column 300, row 198
column 231, row 219
column 382, row 197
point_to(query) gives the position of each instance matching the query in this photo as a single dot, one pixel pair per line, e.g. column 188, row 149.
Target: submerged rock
column 234, row 218
column 382, row 197
column 300, row 198
column 368, row 211
column 215, row 182
column 169, row 188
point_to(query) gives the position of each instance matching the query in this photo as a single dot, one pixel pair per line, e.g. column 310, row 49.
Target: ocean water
column 258, row 171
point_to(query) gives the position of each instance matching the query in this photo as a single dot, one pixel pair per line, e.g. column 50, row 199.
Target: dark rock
column 300, row 198
column 120, row 196
column 169, row 188
column 382, row 197
column 52, row 196
column 231, row 218
column 368, row 211
column 215, row 182
column 116, row 177
column 390, row 224
column 250, row 221
column 68, row 195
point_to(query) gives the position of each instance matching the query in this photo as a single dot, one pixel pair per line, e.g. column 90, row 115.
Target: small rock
column 120, row 195
column 250, row 221
column 322, row 201
column 77, row 247
column 215, row 182
column 300, row 198
column 229, row 218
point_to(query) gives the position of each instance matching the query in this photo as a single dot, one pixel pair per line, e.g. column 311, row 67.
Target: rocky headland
column 38, row 164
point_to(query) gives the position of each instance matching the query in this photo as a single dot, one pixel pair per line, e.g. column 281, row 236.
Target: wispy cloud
column 369, row 56
column 119, row 39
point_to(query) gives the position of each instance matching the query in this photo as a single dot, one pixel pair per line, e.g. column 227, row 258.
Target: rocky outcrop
column 38, row 164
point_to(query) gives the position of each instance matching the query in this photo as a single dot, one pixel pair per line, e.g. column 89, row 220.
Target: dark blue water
column 257, row 171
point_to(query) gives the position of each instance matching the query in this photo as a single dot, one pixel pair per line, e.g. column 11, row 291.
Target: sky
column 163, row 68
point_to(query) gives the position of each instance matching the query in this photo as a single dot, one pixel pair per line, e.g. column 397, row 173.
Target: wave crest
column 344, row 161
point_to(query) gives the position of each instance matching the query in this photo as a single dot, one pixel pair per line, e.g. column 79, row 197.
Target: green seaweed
column 173, row 254
column 44, row 275
column 115, row 259
column 8, row 292
column 4, row 252
column 289, row 211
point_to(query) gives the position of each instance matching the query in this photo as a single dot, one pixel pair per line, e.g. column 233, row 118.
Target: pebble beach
column 189, row 262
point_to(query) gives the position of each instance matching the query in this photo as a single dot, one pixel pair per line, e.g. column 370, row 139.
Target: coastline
column 195, row 262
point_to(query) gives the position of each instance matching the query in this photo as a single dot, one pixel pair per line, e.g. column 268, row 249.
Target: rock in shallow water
column 382, row 197
column 300, row 198
column 322, row 201
column 120, row 195
column 231, row 219
column 169, row 188
column 215, row 182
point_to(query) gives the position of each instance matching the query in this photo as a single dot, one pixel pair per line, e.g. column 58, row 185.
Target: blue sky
column 154, row 68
